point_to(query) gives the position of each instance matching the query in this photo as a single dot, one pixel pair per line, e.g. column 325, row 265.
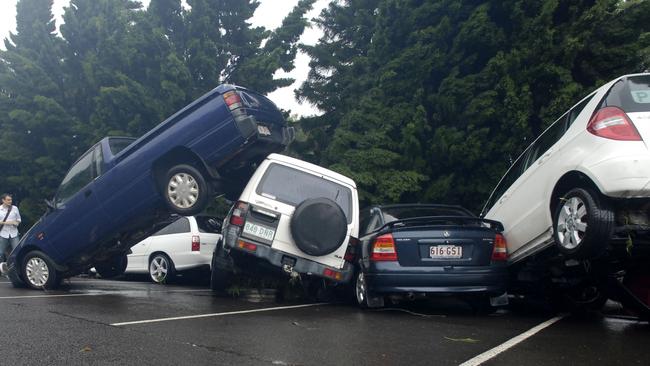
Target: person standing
column 10, row 217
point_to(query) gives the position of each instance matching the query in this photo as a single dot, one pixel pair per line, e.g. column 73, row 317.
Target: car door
column 138, row 259
column 77, row 220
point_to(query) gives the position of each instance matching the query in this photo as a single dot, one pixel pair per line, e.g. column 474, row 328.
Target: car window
column 364, row 220
column 399, row 213
column 117, row 144
column 631, row 94
column 516, row 169
column 208, row 224
column 292, row 186
column 575, row 111
column 182, row 225
column 544, row 142
column 78, row 177
column 98, row 160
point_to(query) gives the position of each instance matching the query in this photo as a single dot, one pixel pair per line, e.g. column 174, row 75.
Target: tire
column 365, row 298
column 113, row 267
column 185, row 190
column 582, row 224
column 318, row 226
column 38, row 271
column 482, row 306
column 161, row 269
column 220, row 277
column 585, row 298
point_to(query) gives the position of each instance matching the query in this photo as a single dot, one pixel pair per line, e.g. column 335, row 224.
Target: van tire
column 318, row 226
column 185, row 190
column 113, row 267
column 38, row 271
column 582, row 224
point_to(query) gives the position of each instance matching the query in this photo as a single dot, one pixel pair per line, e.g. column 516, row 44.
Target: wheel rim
column 37, row 272
column 183, row 190
column 361, row 288
column 572, row 223
column 158, row 269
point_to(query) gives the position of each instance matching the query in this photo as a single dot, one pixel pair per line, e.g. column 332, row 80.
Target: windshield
column 293, row 186
column 631, row 94
column 400, row 213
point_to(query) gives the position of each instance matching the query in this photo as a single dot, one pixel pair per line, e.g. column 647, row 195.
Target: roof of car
column 313, row 167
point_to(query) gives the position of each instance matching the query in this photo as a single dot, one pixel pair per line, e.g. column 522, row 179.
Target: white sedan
column 185, row 244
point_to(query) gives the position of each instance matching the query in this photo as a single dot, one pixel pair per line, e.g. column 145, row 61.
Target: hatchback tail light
column 383, row 249
column 196, row 243
column 500, row 250
column 239, row 214
column 612, row 123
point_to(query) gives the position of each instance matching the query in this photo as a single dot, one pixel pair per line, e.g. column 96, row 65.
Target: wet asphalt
column 104, row 322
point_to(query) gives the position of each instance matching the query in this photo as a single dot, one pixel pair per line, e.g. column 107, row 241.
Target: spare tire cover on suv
column 318, row 226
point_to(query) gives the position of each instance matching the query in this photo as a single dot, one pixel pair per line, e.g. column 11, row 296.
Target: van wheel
column 582, row 224
column 185, row 190
column 38, row 271
column 113, row 267
column 220, row 277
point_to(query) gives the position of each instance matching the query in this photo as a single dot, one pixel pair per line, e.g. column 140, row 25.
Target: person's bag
column 7, row 215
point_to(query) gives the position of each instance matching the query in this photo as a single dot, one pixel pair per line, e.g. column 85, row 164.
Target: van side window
column 78, row 177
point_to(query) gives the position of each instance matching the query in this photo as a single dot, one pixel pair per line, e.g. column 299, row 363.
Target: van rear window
column 631, row 94
column 293, row 186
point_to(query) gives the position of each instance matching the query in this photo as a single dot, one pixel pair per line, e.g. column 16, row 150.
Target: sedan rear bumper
column 488, row 280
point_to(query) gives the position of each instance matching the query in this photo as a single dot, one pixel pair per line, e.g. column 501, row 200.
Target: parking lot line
column 489, row 354
column 216, row 314
column 45, row 296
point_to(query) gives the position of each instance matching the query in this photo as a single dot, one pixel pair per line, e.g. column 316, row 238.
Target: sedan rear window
column 631, row 94
column 293, row 186
column 401, row 213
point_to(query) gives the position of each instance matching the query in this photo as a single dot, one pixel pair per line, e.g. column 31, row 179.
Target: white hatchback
column 583, row 186
column 185, row 244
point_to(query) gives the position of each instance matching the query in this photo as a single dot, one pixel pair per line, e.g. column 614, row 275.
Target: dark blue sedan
column 411, row 249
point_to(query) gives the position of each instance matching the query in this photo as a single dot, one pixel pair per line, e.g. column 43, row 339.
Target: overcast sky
column 269, row 14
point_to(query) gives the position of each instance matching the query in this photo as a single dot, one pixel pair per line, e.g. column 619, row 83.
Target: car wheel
column 161, row 269
column 364, row 297
column 113, row 267
column 318, row 226
column 482, row 306
column 582, row 224
column 39, row 272
column 585, row 298
column 219, row 277
column 185, row 190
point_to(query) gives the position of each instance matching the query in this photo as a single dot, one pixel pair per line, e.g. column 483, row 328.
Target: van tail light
column 196, row 243
column 239, row 213
column 500, row 250
column 351, row 252
column 612, row 123
column 233, row 100
column 383, row 249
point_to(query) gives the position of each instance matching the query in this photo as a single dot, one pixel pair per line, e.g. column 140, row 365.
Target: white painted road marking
column 44, row 296
column 216, row 314
column 492, row 353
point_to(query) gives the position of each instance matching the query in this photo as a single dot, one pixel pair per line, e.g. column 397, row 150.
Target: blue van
column 119, row 190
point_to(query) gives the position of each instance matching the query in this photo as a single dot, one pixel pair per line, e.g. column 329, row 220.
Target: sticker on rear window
column 641, row 96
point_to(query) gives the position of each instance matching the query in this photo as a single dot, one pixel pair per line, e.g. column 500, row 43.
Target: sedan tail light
column 239, row 213
column 612, row 123
column 383, row 249
column 196, row 243
column 500, row 250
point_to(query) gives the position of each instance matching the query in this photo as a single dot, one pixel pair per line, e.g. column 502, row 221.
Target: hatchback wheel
column 582, row 224
column 38, row 271
column 161, row 268
column 364, row 297
column 185, row 190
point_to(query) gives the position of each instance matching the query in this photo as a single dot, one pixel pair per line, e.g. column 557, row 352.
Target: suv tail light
column 233, row 100
column 350, row 253
column 239, row 213
column 612, row 123
column 196, row 243
column 383, row 249
column 500, row 250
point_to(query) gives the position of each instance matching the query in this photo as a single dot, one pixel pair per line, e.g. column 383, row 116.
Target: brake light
column 612, row 123
column 239, row 213
column 500, row 250
column 332, row 274
column 248, row 246
column 233, row 100
column 383, row 249
column 196, row 243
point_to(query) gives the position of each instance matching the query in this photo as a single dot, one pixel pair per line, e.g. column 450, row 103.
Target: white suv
column 292, row 215
column 583, row 181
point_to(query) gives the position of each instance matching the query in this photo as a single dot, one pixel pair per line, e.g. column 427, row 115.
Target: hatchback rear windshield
column 631, row 94
column 401, row 213
column 293, row 186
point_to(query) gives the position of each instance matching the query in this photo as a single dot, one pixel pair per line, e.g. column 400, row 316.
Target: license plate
column 263, row 130
column 259, row 231
column 446, row 251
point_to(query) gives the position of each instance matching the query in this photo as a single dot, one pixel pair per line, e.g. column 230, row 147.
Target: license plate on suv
column 259, row 231
column 446, row 251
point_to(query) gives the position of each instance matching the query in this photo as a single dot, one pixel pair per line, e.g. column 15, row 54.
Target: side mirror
column 50, row 205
